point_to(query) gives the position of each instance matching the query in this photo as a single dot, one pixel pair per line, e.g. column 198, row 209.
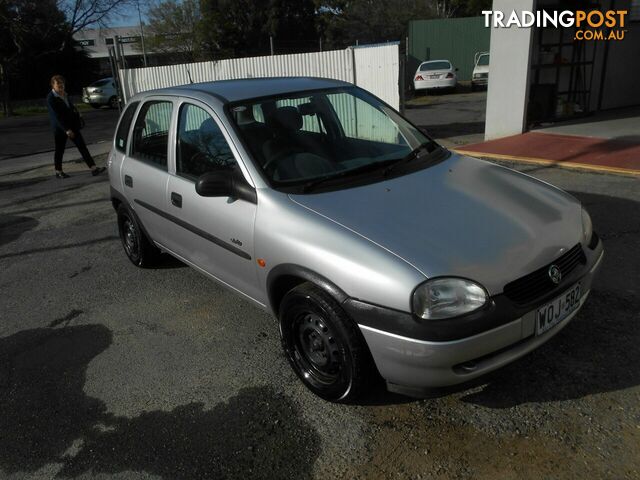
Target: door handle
column 176, row 199
column 128, row 181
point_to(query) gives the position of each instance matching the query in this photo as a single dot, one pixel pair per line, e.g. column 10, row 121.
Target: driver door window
column 201, row 147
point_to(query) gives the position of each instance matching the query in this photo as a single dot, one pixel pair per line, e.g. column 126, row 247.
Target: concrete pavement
column 11, row 166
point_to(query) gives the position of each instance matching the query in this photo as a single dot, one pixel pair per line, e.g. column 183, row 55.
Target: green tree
column 369, row 21
column 241, row 28
column 36, row 41
column 172, row 30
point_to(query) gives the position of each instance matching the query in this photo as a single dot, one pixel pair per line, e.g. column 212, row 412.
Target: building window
column 108, row 41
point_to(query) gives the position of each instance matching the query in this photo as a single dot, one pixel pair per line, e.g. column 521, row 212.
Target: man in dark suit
column 65, row 122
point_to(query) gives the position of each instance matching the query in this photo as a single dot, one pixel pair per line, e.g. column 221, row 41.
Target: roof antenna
column 189, row 73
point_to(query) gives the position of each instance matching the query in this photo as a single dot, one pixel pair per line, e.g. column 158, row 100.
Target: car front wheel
column 323, row 345
column 137, row 246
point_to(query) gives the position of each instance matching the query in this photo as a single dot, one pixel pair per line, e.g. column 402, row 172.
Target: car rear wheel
column 113, row 102
column 323, row 345
column 137, row 246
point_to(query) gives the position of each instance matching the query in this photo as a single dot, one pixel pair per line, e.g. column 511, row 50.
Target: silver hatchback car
column 379, row 251
column 100, row 93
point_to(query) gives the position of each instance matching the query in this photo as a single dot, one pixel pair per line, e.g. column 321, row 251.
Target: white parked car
column 480, row 77
column 435, row 74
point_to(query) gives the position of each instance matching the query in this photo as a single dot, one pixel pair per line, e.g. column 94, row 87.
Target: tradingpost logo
column 590, row 25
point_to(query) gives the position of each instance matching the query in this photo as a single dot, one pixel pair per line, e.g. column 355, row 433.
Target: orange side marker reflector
column 262, row 263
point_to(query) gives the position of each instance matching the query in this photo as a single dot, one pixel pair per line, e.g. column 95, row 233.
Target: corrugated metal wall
column 376, row 67
column 377, row 70
column 454, row 39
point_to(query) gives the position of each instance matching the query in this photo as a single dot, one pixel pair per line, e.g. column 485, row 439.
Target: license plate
column 552, row 313
column 434, row 76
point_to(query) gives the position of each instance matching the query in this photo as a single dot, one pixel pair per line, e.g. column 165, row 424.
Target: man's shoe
column 97, row 171
column 61, row 175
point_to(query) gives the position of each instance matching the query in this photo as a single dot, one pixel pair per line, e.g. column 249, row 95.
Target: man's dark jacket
column 62, row 118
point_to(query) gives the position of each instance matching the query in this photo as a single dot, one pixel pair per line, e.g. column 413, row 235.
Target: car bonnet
column 462, row 217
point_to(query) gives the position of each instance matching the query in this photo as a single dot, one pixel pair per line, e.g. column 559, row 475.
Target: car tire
column 138, row 248
column 323, row 345
column 113, row 102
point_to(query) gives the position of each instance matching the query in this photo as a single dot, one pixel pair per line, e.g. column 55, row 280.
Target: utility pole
column 144, row 53
column 271, row 43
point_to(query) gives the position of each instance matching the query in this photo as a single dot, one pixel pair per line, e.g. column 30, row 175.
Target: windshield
column 101, row 83
column 298, row 139
column 483, row 60
column 427, row 67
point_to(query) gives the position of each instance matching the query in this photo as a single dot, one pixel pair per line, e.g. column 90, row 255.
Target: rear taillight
column 449, row 75
column 419, row 77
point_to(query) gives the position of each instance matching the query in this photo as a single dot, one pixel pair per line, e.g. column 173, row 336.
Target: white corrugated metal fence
column 376, row 70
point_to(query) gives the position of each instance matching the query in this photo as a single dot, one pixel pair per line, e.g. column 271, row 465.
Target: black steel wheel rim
column 317, row 351
column 130, row 238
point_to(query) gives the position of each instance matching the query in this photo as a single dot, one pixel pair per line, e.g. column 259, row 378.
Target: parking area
column 28, row 135
column 109, row 371
column 454, row 119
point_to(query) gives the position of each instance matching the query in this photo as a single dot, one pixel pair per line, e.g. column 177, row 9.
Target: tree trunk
column 5, row 97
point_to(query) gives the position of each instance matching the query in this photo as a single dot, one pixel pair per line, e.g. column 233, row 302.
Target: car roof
column 434, row 61
column 244, row 89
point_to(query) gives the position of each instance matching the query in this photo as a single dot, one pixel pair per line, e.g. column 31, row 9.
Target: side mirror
column 215, row 184
column 225, row 182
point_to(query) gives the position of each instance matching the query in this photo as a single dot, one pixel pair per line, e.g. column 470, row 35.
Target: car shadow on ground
column 598, row 351
column 47, row 419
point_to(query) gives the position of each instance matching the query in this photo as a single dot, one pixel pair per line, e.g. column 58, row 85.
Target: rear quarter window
column 123, row 129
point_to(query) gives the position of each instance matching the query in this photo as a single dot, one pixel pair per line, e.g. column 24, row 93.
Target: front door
column 213, row 233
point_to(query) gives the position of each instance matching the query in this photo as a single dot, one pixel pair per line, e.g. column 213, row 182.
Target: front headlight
column 587, row 226
column 476, row 75
column 447, row 297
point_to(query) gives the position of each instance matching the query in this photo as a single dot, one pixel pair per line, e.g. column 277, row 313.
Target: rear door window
column 151, row 133
column 122, row 135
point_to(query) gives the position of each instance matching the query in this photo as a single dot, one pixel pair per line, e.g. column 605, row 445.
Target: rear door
column 145, row 168
column 213, row 233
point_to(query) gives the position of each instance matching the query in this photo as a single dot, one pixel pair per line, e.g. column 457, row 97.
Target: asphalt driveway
column 27, row 135
column 113, row 372
column 453, row 119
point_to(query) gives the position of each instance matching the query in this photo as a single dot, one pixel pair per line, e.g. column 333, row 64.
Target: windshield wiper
column 429, row 146
column 346, row 173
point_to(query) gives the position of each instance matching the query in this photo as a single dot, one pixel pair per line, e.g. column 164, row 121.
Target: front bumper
column 415, row 365
column 96, row 98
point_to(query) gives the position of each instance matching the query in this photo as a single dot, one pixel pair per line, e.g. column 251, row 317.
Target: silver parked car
column 378, row 250
column 100, row 93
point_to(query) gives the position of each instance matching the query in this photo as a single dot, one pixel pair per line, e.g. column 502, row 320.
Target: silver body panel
column 461, row 217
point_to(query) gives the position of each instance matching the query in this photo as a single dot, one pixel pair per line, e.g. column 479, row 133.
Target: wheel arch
column 284, row 277
column 118, row 199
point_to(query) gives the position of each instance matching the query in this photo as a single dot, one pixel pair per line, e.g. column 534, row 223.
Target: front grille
column 534, row 285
